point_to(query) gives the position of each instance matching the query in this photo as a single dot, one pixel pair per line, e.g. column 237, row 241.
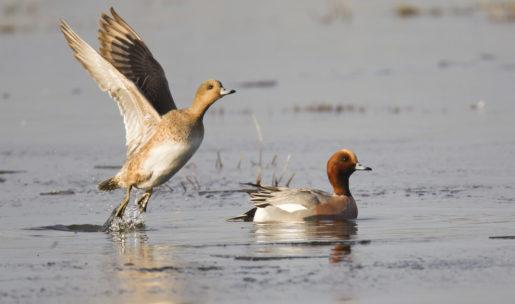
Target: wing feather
column 288, row 199
column 139, row 116
column 126, row 51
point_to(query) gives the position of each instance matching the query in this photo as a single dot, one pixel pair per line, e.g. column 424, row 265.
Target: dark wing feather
column 125, row 50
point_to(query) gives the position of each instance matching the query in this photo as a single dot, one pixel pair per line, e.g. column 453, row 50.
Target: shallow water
column 442, row 185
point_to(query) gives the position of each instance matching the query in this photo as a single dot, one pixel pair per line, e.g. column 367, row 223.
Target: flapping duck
column 160, row 138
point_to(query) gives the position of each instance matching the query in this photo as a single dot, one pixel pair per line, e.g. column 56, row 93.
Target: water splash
column 133, row 219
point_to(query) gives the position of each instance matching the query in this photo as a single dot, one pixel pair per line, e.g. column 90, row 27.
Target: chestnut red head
column 340, row 166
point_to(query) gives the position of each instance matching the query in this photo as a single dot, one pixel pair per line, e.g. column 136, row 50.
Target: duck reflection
column 306, row 238
column 146, row 273
column 339, row 252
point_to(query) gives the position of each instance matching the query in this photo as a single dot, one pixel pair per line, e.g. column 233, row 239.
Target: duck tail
column 245, row 217
column 109, row 184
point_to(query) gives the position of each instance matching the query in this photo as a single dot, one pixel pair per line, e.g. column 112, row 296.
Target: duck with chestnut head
column 160, row 138
column 282, row 204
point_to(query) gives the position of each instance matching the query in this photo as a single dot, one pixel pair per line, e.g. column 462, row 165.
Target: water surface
column 408, row 91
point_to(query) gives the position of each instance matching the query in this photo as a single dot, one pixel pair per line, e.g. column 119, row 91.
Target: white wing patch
column 291, row 207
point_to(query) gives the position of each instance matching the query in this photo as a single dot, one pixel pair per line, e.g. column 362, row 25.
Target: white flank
column 261, row 215
column 291, row 207
column 276, row 212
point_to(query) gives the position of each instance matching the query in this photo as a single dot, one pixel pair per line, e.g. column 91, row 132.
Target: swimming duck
column 160, row 138
column 282, row 204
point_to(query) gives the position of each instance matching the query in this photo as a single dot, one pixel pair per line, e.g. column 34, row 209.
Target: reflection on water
column 304, row 231
column 339, row 251
column 147, row 273
column 71, row 228
column 298, row 239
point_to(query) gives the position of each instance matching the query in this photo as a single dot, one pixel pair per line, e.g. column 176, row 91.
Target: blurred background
column 422, row 91
column 355, row 56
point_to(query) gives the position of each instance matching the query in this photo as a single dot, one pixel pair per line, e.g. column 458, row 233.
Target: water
column 442, row 185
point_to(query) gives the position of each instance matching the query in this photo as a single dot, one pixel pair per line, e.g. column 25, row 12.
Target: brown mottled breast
column 180, row 125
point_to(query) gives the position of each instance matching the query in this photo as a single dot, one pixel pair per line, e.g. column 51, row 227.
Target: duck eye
column 344, row 159
column 209, row 87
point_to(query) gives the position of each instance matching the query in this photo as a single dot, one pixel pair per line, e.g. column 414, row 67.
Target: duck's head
column 340, row 166
column 207, row 93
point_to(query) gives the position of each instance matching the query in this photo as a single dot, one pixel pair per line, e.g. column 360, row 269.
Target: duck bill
column 224, row 92
column 360, row 167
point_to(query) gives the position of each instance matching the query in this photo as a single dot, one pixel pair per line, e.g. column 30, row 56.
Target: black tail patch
column 245, row 217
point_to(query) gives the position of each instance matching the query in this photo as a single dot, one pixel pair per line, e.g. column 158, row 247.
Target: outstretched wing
column 139, row 116
column 126, row 51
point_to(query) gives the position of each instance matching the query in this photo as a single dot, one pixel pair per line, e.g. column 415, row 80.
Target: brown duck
column 160, row 138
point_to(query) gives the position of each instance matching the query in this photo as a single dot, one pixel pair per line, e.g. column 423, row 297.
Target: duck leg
column 143, row 200
column 118, row 211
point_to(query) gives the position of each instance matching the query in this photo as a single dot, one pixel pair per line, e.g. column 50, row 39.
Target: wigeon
column 282, row 204
column 160, row 138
